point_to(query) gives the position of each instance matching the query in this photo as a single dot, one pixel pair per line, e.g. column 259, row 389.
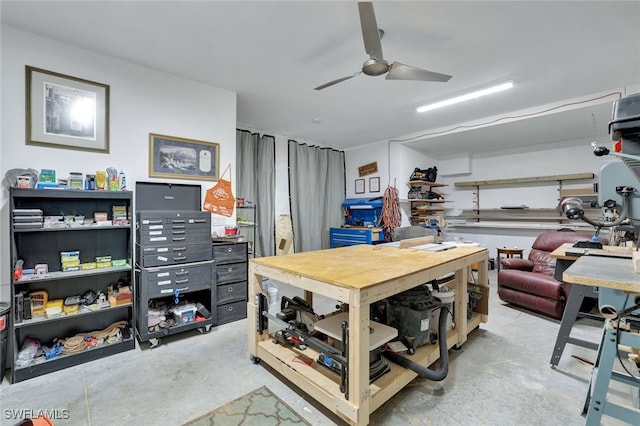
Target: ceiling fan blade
column 339, row 80
column 370, row 32
column 399, row 71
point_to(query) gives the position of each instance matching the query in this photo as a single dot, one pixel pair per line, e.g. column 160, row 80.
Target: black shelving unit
column 43, row 245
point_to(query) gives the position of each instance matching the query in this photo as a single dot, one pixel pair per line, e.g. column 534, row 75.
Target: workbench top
column 608, row 251
column 362, row 266
column 607, row 272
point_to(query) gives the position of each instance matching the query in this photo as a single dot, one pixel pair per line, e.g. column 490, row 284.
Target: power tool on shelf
column 294, row 313
column 299, row 313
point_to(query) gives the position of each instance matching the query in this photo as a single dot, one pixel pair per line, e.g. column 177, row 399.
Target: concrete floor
column 501, row 376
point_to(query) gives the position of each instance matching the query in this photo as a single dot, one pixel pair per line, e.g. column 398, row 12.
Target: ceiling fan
column 376, row 65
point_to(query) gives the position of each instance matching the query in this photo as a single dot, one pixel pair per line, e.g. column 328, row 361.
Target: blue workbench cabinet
column 361, row 217
column 339, row 237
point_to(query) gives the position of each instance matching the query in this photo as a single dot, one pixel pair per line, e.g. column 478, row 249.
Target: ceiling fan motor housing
column 375, row 67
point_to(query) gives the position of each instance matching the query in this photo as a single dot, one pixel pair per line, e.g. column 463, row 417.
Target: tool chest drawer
column 231, row 272
column 164, row 281
column 149, row 256
column 229, row 292
column 173, row 236
column 231, row 312
column 339, row 237
column 163, row 227
column 229, row 253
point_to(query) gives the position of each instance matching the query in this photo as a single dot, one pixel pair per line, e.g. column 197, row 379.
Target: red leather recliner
column 529, row 283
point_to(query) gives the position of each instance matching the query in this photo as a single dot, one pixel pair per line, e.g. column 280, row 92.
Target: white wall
column 142, row 101
column 395, row 164
column 563, row 158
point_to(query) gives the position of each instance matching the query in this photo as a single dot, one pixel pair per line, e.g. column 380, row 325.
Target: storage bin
column 448, row 298
column 272, row 291
column 184, row 314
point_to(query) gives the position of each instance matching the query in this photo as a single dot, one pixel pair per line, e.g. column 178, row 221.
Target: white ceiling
column 274, row 53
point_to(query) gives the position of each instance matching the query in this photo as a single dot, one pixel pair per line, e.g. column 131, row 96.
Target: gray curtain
column 316, row 191
column 255, row 181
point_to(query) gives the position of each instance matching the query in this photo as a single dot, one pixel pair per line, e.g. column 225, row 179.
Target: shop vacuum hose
column 435, row 375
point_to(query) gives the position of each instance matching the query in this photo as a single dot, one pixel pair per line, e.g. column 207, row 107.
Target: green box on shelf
column 47, row 175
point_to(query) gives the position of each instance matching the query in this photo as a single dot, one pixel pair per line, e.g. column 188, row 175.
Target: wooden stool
column 508, row 252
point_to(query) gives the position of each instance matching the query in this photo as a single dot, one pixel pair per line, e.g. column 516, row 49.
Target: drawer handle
column 230, row 308
column 182, row 273
column 179, row 248
column 177, row 221
column 180, row 258
column 230, row 289
column 200, row 220
column 179, row 227
column 178, row 232
column 230, row 269
column 229, row 249
column 182, row 281
column 153, row 222
column 179, row 239
column 183, row 289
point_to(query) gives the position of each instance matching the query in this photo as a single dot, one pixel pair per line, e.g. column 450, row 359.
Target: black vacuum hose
column 435, row 375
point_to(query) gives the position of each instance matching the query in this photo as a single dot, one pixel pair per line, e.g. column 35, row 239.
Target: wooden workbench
column 360, row 275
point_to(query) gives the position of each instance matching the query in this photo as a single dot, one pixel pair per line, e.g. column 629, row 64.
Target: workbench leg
column 358, row 380
column 460, row 306
column 576, row 295
column 602, row 376
column 308, row 297
column 253, row 337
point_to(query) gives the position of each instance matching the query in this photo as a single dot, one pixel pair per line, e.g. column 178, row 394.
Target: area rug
column 259, row 407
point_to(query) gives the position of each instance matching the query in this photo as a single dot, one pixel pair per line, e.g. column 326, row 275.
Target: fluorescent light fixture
column 468, row 96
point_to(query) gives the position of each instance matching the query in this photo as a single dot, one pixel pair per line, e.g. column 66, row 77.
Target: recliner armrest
column 514, row 263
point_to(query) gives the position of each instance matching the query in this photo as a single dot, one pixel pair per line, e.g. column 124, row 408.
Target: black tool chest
column 231, row 280
column 175, row 267
column 172, row 237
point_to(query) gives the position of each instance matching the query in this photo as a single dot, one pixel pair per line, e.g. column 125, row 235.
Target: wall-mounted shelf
column 424, row 208
column 581, row 226
column 532, row 179
column 522, row 215
column 508, row 216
